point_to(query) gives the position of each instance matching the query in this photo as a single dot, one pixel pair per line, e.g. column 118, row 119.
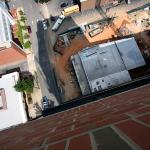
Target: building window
column 3, row 103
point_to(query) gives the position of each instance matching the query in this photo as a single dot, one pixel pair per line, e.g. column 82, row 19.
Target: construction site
column 107, row 24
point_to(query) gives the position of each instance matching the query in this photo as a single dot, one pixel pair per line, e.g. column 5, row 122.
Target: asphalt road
column 40, row 47
column 44, row 57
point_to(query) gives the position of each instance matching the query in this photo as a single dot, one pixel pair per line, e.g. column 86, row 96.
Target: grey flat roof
column 110, row 80
column 101, row 61
column 130, row 53
column 105, row 65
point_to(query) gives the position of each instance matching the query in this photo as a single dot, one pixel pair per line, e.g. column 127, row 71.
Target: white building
column 12, row 111
column 5, row 21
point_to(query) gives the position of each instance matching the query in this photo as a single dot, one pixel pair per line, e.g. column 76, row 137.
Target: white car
column 45, row 24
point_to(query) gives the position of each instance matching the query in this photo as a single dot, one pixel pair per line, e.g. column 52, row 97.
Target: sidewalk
column 44, row 10
column 36, row 95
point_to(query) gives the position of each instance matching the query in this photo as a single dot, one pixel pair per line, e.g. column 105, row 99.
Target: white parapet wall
column 14, row 112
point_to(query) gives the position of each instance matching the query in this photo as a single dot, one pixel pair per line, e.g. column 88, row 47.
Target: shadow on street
column 43, row 60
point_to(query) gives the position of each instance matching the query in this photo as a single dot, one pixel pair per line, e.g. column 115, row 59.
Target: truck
column 58, row 23
column 70, row 10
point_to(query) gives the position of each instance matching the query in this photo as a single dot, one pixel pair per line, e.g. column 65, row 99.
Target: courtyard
column 121, row 27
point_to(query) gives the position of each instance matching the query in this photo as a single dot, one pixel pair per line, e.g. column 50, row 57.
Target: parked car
column 45, row 24
column 29, row 29
column 45, row 103
column 63, row 5
column 53, row 18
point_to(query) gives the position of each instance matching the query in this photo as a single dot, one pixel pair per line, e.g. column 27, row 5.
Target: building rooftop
column 12, row 110
column 5, row 21
column 121, row 121
column 11, row 54
column 106, row 65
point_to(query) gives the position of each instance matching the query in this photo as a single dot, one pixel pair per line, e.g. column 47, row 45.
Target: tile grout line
column 137, row 120
column 125, row 138
column 141, row 122
column 44, row 143
column 93, row 143
column 67, row 144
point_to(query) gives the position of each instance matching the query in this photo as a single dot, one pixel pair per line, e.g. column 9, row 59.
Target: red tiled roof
column 13, row 12
column 119, row 122
column 11, row 55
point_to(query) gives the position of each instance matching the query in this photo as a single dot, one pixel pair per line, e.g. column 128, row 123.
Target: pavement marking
column 37, row 20
column 32, row 22
column 13, row 5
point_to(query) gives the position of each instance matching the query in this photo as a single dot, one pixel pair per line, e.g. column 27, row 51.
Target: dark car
column 63, row 5
column 29, row 29
column 53, row 18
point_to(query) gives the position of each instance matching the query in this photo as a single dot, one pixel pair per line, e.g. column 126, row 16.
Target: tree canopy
column 24, row 85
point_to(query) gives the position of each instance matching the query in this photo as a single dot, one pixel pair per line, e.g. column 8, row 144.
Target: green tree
column 27, row 44
column 26, row 36
column 23, row 18
column 21, row 12
column 24, row 85
column 19, row 33
column 23, row 27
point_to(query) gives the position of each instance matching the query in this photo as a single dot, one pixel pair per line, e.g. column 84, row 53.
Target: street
column 40, row 48
column 43, row 61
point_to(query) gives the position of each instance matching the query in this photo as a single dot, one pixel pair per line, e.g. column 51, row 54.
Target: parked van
column 58, row 22
column 70, row 10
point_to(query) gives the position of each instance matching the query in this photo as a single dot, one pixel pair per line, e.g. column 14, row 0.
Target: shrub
column 27, row 44
column 24, row 27
column 23, row 18
column 26, row 36
column 24, row 85
column 21, row 12
column 19, row 33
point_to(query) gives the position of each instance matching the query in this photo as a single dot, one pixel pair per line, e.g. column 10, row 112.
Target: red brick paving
column 74, row 122
column 139, row 133
column 142, row 110
column 80, row 143
column 145, row 119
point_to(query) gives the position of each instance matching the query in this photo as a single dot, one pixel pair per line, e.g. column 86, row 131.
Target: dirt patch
column 65, row 70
